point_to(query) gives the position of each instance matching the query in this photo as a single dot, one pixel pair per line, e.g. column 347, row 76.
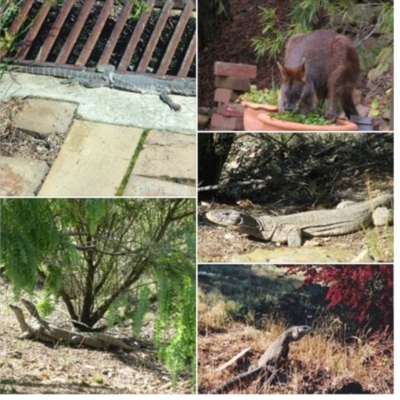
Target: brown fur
column 319, row 65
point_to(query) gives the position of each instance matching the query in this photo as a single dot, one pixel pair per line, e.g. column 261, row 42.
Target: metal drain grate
column 157, row 37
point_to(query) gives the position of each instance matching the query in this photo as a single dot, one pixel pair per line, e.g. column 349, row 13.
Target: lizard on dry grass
column 268, row 362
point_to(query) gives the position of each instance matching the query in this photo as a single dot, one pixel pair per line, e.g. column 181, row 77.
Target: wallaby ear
column 303, row 64
column 303, row 68
column 284, row 72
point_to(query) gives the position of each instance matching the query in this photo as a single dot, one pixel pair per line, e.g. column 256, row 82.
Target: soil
column 232, row 44
column 263, row 176
column 19, row 143
column 30, row 367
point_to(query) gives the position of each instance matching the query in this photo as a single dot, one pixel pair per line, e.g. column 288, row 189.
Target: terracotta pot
column 274, row 124
column 250, row 113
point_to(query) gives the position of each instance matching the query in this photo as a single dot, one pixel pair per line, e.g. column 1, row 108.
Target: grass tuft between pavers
column 135, row 156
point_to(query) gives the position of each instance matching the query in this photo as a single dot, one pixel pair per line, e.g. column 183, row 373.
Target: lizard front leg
column 382, row 216
column 294, row 236
column 167, row 100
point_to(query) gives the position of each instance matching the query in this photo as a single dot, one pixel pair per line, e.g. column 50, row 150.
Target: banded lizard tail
column 268, row 362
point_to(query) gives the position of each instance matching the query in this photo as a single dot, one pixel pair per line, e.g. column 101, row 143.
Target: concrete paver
column 45, row 116
column 92, row 161
column 106, row 105
column 166, row 154
column 96, row 155
column 143, row 186
column 21, row 177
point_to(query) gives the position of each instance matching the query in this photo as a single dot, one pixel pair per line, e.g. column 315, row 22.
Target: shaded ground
column 18, row 143
column 306, row 172
column 232, row 44
column 329, row 360
column 33, row 367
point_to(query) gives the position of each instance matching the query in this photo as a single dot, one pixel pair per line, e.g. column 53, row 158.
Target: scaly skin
column 105, row 76
column 279, row 350
column 290, row 228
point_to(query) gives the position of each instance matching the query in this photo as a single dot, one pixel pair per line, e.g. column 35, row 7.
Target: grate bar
column 55, row 31
column 16, row 25
column 73, row 36
column 173, row 44
column 178, row 4
column 189, row 57
column 89, row 46
column 29, row 63
column 111, row 43
column 34, row 29
column 134, row 40
column 151, row 45
column 95, row 31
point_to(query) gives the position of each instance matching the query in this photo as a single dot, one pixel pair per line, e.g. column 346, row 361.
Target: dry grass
column 380, row 242
column 318, row 363
column 323, row 362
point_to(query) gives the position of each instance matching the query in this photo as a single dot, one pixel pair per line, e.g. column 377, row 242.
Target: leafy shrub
column 365, row 290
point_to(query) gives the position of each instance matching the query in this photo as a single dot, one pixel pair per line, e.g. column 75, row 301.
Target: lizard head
column 230, row 218
column 235, row 220
column 297, row 332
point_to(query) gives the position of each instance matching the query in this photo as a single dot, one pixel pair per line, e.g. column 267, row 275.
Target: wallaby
column 319, row 65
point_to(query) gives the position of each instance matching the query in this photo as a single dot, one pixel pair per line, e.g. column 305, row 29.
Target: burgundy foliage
column 366, row 290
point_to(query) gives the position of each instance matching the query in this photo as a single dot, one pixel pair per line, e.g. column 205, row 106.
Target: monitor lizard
column 106, row 76
column 268, row 362
column 292, row 228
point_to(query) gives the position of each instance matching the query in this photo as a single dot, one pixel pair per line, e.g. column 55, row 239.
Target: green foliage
column 374, row 111
column 340, row 15
column 176, row 295
column 306, row 13
column 94, row 211
column 380, row 105
column 45, row 307
column 312, row 118
column 273, row 40
column 92, row 252
column 179, row 353
column 29, row 236
column 265, row 96
column 141, row 309
column 9, row 9
column 116, row 313
column 54, row 277
column 140, row 8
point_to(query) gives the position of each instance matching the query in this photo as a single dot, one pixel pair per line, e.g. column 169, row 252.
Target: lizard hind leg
column 294, row 237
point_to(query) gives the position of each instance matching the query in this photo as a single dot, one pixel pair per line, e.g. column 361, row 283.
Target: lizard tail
column 244, row 378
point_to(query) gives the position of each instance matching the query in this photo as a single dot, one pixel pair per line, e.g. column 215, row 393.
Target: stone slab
column 148, row 187
column 106, row 105
column 21, row 177
column 92, row 161
column 307, row 255
column 45, row 116
column 167, row 154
